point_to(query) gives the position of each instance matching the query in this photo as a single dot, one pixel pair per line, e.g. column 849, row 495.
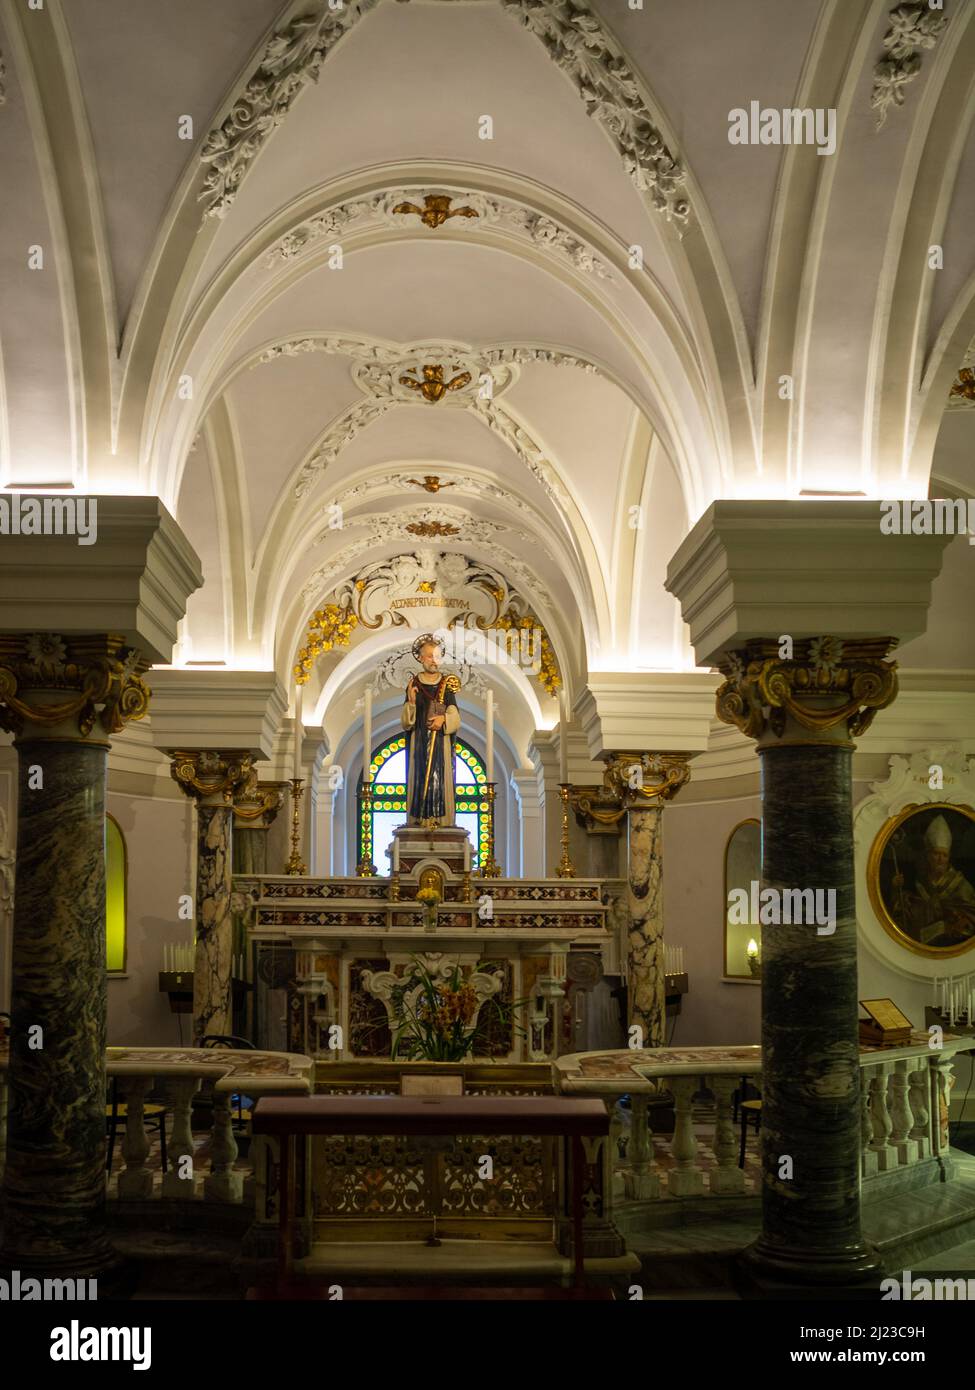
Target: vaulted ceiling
column 241, row 208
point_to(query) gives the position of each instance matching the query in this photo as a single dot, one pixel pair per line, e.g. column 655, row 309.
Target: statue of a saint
column 430, row 712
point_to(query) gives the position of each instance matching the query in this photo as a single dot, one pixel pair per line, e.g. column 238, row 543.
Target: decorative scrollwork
column 827, row 683
column 98, row 678
column 206, row 774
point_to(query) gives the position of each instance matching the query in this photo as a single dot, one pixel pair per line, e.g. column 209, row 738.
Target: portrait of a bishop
column 431, row 716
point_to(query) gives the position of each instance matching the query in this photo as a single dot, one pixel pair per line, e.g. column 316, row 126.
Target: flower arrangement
column 434, row 1015
column 429, row 900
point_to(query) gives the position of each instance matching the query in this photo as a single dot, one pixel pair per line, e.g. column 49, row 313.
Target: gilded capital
column 638, row 779
column 257, row 802
column 825, row 684
column 48, row 681
column 210, row 776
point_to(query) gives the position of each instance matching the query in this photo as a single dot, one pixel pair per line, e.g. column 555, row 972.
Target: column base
column 768, row 1268
column 640, row 1186
column 600, row 1240
column 99, row 1260
column 223, row 1187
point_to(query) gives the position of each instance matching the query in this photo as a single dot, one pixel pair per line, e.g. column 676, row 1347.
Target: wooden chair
column 117, row 1111
column 748, row 1107
column 244, row 1104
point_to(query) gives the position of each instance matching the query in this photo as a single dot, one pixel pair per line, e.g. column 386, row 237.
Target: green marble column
column 62, row 698
column 803, row 714
column 211, row 779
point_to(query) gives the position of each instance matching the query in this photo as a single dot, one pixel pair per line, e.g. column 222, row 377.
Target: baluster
column 640, row 1182
column 868, row 1159
column 222, row 1183
column 919, row 1097
column 684, row 1180
column 880, row 1118
column 180, row 1180
column 900, row 1116
column 727, row 1177
column 942, row 1081
column 135, row 1180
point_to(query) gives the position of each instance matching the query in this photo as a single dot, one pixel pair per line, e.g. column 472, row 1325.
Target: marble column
column 645, row 930
column 211, row 778
column 804, row 713
column 62, row 697
column 256, row 804
column 641, row 783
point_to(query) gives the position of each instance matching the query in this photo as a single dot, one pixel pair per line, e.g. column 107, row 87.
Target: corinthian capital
column 211, row 776
column 638, row 779
column 257, row 802
column 52, row 684
column 826, row 683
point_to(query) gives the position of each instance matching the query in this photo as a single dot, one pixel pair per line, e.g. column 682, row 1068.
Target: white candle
column 563, row 740
column 367, row 737
column 299, row 731
column 489, row 718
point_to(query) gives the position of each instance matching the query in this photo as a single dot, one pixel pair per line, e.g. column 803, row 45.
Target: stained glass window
column 388, row 769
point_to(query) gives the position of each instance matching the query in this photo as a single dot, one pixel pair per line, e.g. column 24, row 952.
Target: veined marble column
column 803, row 714
column 642, row 782
column 62, row 697
column 256, row 804
column 211, row 779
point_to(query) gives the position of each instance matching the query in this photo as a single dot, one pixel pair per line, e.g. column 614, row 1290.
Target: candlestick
column 563, row 740
column 565, row 868
column 365, row 867
column 490, row 867
column 367, row 738
column 490, row 735
column 295, row 863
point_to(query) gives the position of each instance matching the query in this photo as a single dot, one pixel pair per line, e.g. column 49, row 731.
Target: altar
column 318, row 948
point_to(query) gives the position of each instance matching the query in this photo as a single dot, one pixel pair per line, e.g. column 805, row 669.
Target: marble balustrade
column 904, row 1095
column 180, row 1074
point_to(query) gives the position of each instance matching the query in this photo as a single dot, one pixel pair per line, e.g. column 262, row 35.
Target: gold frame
column 873, row 880
column 749, row 820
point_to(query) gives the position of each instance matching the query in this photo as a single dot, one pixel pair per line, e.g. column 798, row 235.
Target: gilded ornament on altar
column 436, row 210
column 827, row 683
column 433, row 386
column 100, row 676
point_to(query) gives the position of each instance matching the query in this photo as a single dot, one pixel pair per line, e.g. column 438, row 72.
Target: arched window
column 388, row 769
column 115, row 886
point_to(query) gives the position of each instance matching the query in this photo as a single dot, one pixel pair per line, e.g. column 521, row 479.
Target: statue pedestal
column 450, row 845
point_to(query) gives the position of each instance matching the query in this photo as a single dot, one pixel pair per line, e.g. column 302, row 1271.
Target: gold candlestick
column 365, row 867
column 490, row 868
column 296, row 865
column 565, row 868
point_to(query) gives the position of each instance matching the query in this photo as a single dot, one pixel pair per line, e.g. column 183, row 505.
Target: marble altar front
column 318, row 945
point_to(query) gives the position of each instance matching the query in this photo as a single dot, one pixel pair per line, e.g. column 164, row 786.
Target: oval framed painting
column 921, row 878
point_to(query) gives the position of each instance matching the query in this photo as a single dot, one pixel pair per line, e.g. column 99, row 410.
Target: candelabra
column 565, row 868
column 490, row 868
column 296, row 865
column 365, row 867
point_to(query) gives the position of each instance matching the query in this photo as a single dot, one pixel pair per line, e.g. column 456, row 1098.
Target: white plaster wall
column 160, row 845
column 695, row 834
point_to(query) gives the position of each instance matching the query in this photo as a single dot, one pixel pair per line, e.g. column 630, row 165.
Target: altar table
column 284, row 1118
